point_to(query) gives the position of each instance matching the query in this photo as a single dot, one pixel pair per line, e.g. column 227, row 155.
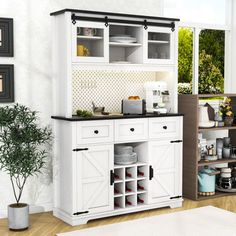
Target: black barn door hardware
column 80, row 149
column 80, row 212
column 107, row 20
column 176, row 141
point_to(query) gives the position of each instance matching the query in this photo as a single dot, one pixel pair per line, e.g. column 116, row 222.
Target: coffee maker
column 156, row 96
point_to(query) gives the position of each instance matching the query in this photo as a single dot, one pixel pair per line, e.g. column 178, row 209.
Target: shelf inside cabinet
column 217, row 194
column 131, row 165
column 206, row 163
column 158, row 42
column 83, row 37
column 217, row 128
column 114, row 44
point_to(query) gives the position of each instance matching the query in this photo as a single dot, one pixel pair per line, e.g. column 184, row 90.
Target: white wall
column 32, row 60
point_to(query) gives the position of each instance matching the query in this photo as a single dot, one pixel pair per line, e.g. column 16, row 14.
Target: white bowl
column 126, row 159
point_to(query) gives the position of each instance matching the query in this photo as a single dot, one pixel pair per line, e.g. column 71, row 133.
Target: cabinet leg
column 81, row 221
column 176, row 205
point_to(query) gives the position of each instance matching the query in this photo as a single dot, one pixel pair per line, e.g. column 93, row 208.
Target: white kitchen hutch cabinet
column 87, row 183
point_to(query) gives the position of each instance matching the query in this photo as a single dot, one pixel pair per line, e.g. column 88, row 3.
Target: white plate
column 123, row 40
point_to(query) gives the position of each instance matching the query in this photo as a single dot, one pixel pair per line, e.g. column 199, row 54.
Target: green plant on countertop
column 22, row 153
column 84, row 113
column 226, row 108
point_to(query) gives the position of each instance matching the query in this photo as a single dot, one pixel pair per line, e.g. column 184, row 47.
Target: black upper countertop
column 115, row 117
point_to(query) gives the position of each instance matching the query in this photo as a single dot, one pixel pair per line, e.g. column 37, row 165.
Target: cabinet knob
column 132, row 129
column 164, row 127
column 96, row 131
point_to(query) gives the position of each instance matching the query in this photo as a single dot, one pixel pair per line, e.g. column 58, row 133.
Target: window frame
column 196, row 29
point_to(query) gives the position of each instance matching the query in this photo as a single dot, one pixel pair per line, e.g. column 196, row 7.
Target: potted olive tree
column 22, row 154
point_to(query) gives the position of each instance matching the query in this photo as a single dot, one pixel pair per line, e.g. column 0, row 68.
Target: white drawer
column 165, row 127
column 94, row 132
column 131, row 130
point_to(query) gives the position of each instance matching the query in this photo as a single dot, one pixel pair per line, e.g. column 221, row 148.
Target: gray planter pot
column 18, row 216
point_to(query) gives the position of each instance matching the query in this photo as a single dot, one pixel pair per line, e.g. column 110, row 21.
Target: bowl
column 123, row 149
column 126, row 159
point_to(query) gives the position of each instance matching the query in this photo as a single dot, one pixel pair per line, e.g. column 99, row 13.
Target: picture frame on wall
column 6, row 83
column 6, row 37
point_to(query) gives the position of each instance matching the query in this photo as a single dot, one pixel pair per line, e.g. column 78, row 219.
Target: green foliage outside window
column 211, row 61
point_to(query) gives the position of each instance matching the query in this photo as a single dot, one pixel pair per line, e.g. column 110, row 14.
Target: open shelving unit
column 188, row 105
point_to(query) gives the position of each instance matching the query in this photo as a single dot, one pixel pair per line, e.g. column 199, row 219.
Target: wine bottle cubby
column 130, row 185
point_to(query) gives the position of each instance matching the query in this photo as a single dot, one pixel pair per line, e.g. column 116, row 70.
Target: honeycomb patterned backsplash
column 107, row 88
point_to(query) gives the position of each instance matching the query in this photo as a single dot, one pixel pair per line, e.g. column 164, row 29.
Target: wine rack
column 130, row 185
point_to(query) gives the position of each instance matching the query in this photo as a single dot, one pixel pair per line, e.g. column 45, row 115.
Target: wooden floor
column 44, row 224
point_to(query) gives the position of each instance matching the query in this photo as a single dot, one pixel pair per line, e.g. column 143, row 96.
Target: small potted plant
column 22, row 154
column 226, row 112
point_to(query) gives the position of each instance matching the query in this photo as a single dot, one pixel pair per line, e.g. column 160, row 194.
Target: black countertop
column 115, row 117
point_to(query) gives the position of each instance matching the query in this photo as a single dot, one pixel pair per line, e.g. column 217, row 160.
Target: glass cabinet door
column 89, row 42
column 159, row 45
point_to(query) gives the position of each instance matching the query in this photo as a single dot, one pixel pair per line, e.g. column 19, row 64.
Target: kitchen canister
column 226, row 152
column 207, row 180
column 226, row 141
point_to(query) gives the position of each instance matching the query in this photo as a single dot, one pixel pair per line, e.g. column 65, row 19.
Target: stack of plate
column 122, row 38
column 124, row 155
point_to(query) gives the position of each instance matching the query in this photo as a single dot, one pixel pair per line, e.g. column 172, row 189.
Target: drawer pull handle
column 132, row 129
column 96, row 131
column 165, row 127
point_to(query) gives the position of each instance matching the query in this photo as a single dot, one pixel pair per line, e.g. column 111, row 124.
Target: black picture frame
column 6, row 37
column 6, row 83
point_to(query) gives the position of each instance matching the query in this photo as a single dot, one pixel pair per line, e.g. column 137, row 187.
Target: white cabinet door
column 158, row 45
column 94, row 190
column 90, row 42
column 165, row 159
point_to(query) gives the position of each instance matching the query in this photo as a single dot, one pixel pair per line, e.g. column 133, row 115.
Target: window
column 203, row 43
column 185, row 60
column 197, row 11
column 211, row 61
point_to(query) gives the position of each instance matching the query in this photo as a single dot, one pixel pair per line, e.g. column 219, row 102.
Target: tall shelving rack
column 188, row 105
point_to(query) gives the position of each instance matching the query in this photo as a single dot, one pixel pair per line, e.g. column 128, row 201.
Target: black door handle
column 96, row 131
column 164, row 127
column 112, row 177
column 132, row 129
column 80, row 149
column 151, row 172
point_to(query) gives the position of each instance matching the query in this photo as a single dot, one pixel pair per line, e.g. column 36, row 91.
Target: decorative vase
column 18, row 216
column 228, row 120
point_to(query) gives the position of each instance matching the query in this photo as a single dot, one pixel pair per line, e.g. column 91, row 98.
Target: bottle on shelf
column 140, row 200
column 140, row 187
column 140, row 173
column 117, row 177
column 128, row 202
column 116, row 191
column 127, row 189
column 128, row 174
column 117, row 204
